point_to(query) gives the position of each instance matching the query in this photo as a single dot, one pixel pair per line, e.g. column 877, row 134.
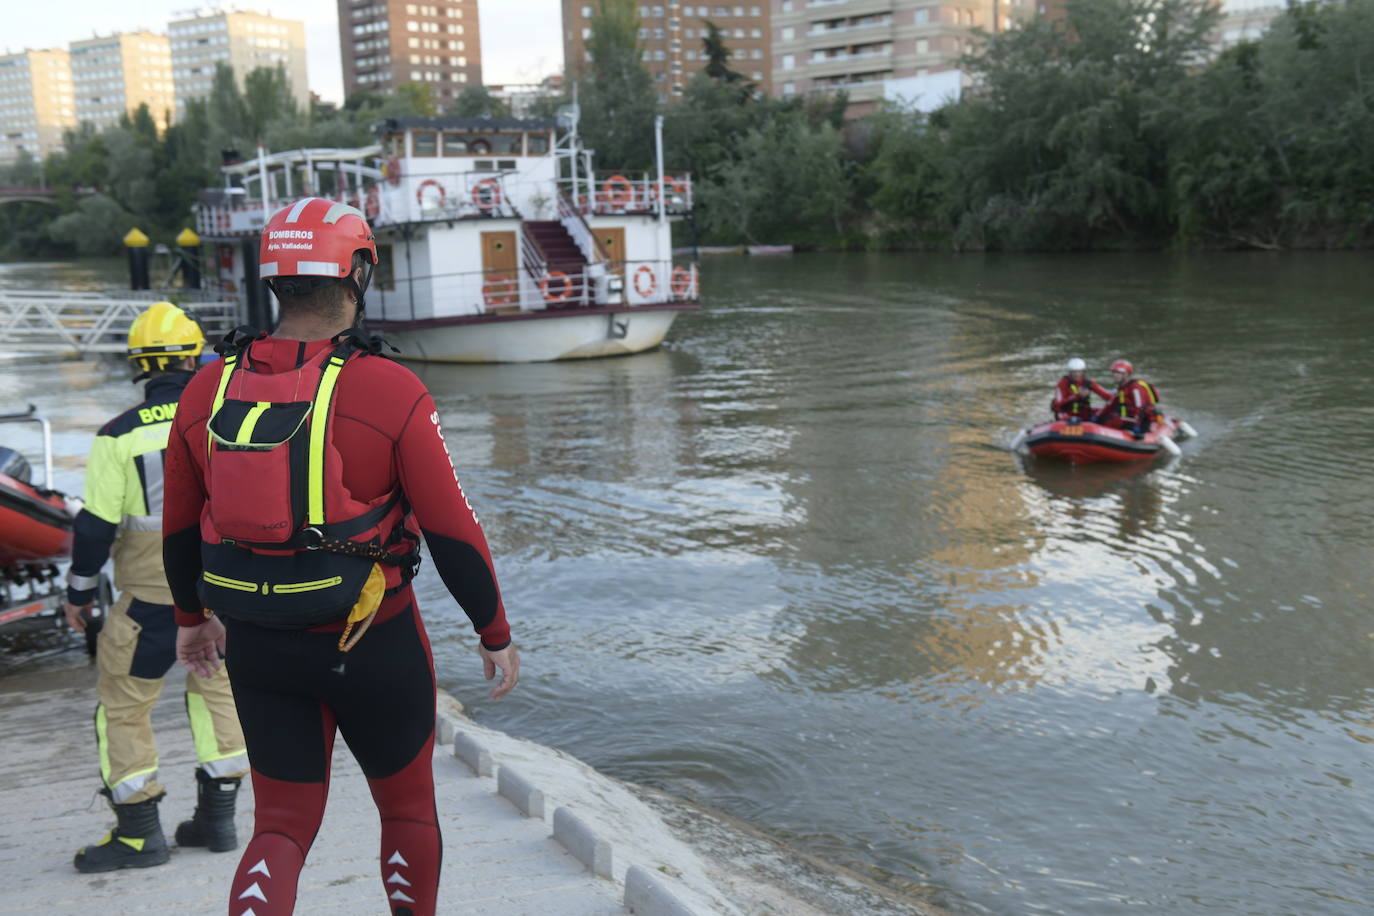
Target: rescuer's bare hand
column 199, row 648
column 508, row 661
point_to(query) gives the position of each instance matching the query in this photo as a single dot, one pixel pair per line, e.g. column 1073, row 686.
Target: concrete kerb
column 645, row 895
column 525, row 797
column 582, row 842
column 473, row 754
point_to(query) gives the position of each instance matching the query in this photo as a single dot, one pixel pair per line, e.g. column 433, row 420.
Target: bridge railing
column 46, row 321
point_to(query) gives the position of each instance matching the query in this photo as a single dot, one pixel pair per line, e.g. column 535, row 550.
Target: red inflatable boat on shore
column 35, row 536
column 1081, row 442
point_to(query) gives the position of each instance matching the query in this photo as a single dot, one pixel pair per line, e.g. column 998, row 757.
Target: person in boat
column 1135, row 404
column 135, row 647
column 1073, row 394
column 301, row 473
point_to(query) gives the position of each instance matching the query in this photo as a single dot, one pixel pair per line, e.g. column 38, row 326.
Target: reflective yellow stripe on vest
column 245, row 434
column 319, row 423
column 225, row 372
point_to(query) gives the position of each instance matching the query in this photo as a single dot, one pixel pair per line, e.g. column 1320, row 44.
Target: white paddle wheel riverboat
column 497, row 240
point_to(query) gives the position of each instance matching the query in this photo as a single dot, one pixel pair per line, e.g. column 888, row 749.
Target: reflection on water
column 787, row 566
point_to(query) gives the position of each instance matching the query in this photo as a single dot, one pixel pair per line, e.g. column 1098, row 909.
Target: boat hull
column 533, row 337
column 1092, row 443
column 34, row 527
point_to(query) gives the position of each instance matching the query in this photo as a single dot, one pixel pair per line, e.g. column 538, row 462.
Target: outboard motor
column 13, row 464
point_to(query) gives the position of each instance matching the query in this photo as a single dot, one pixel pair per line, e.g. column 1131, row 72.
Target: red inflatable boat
column 35, row 536
column 34, row 524
column 1087, row 443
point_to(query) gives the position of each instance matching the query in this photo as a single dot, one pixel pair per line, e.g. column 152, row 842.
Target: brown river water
column 787, row 566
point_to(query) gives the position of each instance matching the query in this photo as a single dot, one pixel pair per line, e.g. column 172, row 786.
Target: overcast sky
column 520, row 38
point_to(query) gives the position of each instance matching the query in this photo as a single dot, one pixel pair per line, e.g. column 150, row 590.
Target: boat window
column 479, row 146
column 455, row 144
column 506, row 144
column 538, row 145
column 395, row 145
column 385, row 274
column 426, row 143
column 506, row 165
column 482, row 165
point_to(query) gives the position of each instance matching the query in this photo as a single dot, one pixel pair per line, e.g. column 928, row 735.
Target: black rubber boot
column 135, row 842
column 212, row 825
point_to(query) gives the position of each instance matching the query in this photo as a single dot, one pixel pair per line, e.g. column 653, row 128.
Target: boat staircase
column 563, row 278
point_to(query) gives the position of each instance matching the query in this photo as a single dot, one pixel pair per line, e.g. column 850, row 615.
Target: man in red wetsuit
column 1073, row 394
column 373, row 440
column 1135, row 404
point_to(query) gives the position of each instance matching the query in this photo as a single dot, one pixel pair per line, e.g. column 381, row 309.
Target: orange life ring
column 565, row 287
column 498, row 290
column 391, row 169
column 646, row 271
column 486, row 194
column 618, row 191
column 682, row 282
column 430, row 182
column 373, row 207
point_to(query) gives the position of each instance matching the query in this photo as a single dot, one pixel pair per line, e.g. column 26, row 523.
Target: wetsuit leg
column 386, row 714
column 276, row 677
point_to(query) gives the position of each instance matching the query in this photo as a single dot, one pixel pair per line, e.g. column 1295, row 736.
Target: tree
column 415, row 99
column 1065, row 142
column 718, row 56
column 478, row 102
column 267, row 99
column 616, row 93
column 786, row 183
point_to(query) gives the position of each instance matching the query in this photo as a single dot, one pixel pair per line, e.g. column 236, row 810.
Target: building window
column 789, row 61
column 922, row 17
column 788, row 88
column 922, row 46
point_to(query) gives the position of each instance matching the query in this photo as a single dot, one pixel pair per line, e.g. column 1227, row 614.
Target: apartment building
column 670, row 37
column 36, row 102
column 242, row 40
column 384, row 43
column 1245, row 20
column 113, row 75
column 860, row 45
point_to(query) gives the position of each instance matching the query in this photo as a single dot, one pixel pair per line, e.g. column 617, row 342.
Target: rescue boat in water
column 1081, row 442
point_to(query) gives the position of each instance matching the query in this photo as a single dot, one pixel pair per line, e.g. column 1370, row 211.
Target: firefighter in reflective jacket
column 136, row 646
column 1135, row 404
column 1073, row 394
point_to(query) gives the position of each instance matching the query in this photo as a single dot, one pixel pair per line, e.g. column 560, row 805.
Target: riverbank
column 661, row 856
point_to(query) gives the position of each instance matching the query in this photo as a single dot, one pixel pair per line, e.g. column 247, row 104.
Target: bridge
column 20, row 194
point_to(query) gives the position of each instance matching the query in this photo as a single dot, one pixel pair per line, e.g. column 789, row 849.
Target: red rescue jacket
column 1072, row 399
column 1135, row 403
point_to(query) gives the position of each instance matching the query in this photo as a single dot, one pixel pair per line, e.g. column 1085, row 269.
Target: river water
column 788, row 567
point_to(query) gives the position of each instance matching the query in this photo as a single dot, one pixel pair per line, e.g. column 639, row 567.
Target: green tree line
column 1116, row 126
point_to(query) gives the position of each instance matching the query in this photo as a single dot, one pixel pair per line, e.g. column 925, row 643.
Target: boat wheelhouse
column 497, row 239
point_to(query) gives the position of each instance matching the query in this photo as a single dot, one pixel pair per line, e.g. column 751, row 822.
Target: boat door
column 500, row 273
column 613, row 241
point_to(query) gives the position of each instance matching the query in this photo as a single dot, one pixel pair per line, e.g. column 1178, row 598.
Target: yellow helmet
column 161, row 336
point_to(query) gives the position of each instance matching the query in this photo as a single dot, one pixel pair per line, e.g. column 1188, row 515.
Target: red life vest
column 283, row 541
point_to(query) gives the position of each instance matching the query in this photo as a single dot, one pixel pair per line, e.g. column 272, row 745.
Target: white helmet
column 1075, row 365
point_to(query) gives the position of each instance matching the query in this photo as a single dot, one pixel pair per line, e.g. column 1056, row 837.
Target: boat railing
column 630, row 192
column 610, row 284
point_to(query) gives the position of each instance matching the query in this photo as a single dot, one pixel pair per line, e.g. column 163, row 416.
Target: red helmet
column 1122, row 366
column 315, row 238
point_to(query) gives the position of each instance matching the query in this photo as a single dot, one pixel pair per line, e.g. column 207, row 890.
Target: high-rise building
column 1245, row 20
column 244, row 42
column 113, row 75
column 670, row 37
column 859, row 45
column 36, row 102
column 385, row 43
